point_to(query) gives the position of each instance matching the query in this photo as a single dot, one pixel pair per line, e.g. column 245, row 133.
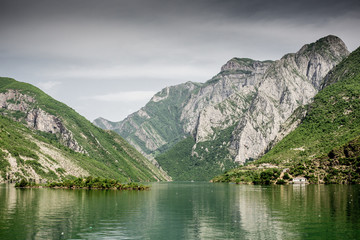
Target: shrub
column 286, row 176
column 23, row 183
column 280, row 181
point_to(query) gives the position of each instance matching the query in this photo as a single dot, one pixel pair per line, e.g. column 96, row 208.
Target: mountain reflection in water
column 182, row 210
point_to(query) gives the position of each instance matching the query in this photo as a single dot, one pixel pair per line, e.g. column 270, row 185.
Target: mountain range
column 198, row 130
column 257, row 121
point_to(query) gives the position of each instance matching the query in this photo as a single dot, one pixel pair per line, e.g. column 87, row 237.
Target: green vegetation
column 177, row 161
column 14, row 143
column 236, row 71
column 340, row 166
column 251, row 175
column 85, row 183
column 164, row 122
column 107, row 154
column 208, row 159
column 325, row 147
column 25, row 184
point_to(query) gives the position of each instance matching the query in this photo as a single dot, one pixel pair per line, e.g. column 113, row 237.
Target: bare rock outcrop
column 36, row 118
column 289, row 83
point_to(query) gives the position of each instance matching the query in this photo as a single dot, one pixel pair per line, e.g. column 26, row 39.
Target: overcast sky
column 108, row 57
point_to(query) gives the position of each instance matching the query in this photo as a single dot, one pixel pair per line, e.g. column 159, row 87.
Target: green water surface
column 182, row 211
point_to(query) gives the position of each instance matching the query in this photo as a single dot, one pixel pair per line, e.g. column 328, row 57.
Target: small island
column 84, row 183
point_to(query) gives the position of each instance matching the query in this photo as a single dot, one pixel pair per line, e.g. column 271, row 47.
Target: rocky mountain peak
column 315, row 60
column 289, row 83
column 333, row 41
column 326, row 44
column 242, row 64
column 238, row 64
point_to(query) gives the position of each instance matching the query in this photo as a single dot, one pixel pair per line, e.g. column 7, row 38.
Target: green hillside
column 104, row 154
column 325, row 146
column 184, row 165
column 162, row 122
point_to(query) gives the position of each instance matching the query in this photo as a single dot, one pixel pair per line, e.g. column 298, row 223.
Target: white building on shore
column 300, row 180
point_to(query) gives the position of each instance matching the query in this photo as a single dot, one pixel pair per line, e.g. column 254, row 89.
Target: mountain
column 156, row 126
column 44, row 139
column 233, row 118
column 325, row 147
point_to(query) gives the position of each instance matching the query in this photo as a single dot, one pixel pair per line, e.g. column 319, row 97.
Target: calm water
column 182, row 211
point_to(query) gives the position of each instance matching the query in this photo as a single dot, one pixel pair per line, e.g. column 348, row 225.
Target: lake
column 183, row 210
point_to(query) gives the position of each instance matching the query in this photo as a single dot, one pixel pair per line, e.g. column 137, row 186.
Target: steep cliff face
column 36, row 118
column 220, row 102
column 289, row 83
column 253, row 98
column 325, row 147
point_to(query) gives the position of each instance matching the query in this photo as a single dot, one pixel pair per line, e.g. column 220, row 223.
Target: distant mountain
column 325, row 147
column 43, row 139
column 196, row 131
column 158, row 125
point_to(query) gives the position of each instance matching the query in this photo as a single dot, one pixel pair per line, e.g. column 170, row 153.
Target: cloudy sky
column 107, row 58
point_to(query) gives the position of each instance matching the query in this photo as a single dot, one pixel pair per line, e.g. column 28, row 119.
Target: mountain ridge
column 325, row 147
column 254, row 98
column 61, row 137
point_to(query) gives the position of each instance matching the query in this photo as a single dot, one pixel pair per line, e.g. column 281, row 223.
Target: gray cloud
column 97, row 47
column 48, row 85
column 131, row 96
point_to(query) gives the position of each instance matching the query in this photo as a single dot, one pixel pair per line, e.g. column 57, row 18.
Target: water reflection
column 182, row 211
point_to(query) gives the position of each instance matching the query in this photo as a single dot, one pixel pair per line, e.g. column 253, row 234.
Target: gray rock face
column 38, row 119
column 289, row 83
column 257, row 97
column 222, row 100
column 15, row 101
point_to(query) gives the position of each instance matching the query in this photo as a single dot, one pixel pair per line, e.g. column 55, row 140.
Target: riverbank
column 84, row 183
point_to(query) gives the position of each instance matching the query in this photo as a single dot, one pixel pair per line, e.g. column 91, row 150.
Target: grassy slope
column 13, row 140
column 109, row 154
column 208, row 160
column 164, row 122
column 331, row 125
